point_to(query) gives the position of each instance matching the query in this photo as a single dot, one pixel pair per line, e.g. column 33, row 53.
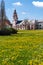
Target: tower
column 15, row 18
column 2, row 14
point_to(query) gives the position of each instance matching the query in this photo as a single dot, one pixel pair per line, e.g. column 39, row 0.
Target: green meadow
column 23, row 48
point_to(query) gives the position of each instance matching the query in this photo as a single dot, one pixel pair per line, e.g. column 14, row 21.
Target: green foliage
column 8, row 31
column 13, row 31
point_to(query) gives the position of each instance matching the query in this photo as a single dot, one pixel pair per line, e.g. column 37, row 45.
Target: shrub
column 8, row 31
column 13, row 31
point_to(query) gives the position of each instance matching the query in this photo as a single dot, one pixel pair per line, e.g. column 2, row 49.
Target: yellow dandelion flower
column 12, row 58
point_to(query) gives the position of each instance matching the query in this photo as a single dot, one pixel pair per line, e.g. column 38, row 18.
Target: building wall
column 29, row 25
column 25, row 25
column 39, row 25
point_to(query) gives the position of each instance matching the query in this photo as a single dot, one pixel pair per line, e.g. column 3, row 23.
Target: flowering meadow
column 23, row 48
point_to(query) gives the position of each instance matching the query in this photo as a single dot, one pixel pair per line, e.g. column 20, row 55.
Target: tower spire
column 15, row 18
column 3, row 16
column 0, row 12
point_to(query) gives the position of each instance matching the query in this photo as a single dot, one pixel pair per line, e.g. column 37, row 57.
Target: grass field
column 24, row 48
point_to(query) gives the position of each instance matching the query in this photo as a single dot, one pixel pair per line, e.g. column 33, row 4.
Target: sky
column 26, row 9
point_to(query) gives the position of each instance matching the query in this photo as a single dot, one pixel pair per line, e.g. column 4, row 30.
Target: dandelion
column 2, row 50
column 12, row 58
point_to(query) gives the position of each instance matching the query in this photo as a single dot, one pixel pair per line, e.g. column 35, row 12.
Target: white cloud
column 17, row 3
column 37, row 3
column 23, row 13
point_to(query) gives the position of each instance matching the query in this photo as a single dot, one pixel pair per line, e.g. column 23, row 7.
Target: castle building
column 26, row 24
column 22, row 24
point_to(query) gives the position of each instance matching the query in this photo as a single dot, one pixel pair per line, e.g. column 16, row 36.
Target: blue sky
column 26, row 9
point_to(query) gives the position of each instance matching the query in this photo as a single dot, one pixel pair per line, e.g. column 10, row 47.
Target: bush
column 8, row 31
column 13, row 31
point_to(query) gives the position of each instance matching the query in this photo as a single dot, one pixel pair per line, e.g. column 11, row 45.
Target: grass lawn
column 24, row 48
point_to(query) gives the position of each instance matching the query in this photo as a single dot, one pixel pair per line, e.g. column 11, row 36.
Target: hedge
column 8, row 31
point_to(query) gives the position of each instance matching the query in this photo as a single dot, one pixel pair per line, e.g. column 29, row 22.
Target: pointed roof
column 19, row 21
column 15, row 11
column 15, row 16
column 2, row 3
column 3, row 12
column 0, row 12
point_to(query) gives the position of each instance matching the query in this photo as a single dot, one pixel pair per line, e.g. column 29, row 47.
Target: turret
column 15, row 17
